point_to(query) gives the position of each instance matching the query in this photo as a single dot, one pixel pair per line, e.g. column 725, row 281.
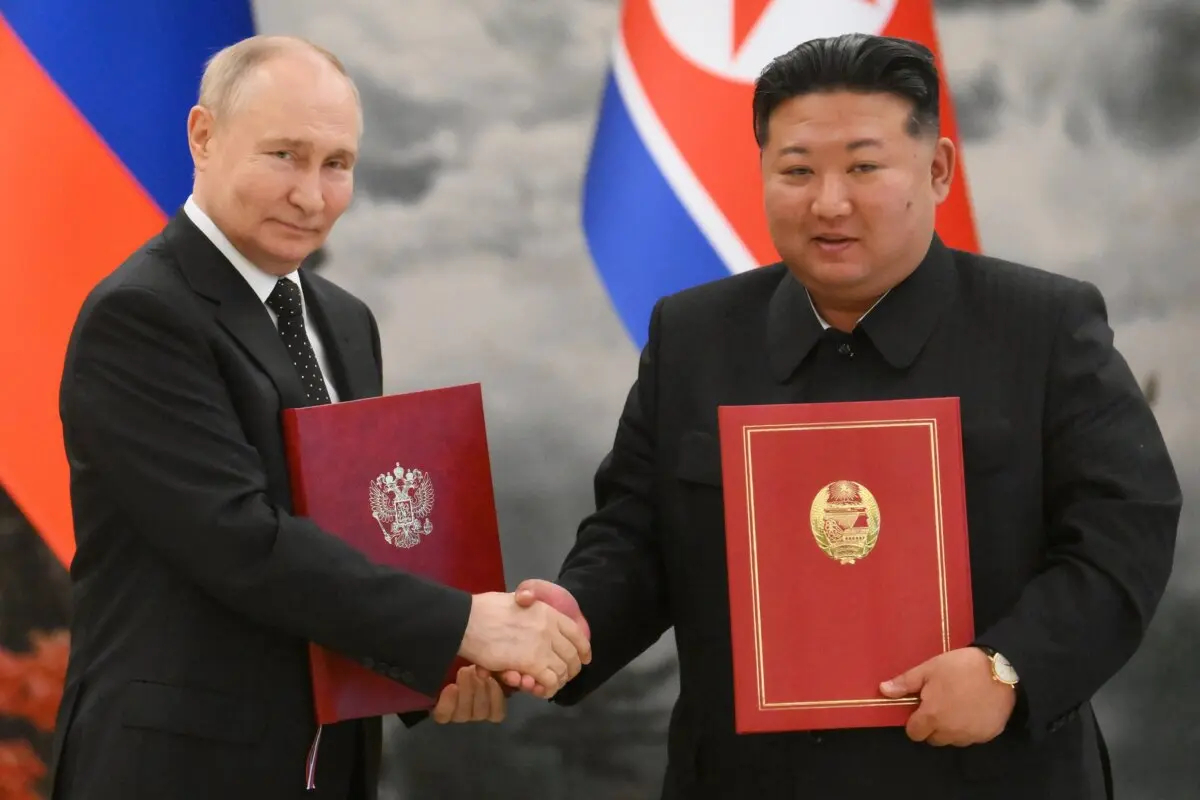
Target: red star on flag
column 746, row 14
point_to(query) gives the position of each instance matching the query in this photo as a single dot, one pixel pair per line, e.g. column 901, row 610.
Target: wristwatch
column 1002, row 670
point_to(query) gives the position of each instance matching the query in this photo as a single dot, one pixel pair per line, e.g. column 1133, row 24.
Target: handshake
column 534, row 639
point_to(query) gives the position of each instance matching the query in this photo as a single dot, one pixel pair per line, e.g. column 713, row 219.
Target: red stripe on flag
column 716, row 143
column 69, row 214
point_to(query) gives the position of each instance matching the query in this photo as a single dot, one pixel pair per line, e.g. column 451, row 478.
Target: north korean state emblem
column 845, row 521
column 401, row 501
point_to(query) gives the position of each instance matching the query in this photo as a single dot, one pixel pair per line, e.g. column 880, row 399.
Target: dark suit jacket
column 195, row 590
column 1072, row 508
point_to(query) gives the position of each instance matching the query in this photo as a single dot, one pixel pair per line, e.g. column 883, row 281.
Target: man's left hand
column 475, row 697
column 961, row 703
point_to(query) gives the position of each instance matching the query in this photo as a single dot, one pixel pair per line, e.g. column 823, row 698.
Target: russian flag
column 93, row 159
column 672, row 195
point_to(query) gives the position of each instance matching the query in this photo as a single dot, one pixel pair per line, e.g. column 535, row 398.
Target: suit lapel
column 350, row 359
column 239, row 311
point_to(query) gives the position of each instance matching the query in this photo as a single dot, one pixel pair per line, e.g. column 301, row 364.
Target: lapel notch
column 239, row 310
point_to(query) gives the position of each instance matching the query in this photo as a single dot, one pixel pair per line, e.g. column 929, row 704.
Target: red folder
column 406, row 479
column 848, row 559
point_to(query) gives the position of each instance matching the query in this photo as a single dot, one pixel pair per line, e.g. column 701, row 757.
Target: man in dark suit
column 1072, row 498
column 195, row 590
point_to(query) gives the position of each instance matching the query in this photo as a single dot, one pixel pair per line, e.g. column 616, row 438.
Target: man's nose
column 831, row 199
column 307, row 194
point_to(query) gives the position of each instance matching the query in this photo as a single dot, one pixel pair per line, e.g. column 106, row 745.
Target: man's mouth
column 833, row 242
column 297, row 228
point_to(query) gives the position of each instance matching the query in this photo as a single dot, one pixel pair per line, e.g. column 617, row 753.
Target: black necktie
column 285, row 301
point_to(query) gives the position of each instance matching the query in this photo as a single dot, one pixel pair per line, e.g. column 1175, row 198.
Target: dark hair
column 855, row 62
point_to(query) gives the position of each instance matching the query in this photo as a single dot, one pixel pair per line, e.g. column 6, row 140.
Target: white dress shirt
column 263, row 283
column 825, row 324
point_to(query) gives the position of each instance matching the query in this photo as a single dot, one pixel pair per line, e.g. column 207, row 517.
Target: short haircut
column 853, row 62
column 226, row 72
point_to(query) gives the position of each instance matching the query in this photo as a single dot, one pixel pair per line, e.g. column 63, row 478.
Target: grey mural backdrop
column 1081, row 128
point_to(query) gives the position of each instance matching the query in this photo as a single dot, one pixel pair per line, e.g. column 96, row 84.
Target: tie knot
column 284, row 299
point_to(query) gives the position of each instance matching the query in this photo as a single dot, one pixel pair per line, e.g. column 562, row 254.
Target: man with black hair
column 1073, row 501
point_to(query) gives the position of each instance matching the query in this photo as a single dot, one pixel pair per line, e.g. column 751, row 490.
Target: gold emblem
column 845, row 521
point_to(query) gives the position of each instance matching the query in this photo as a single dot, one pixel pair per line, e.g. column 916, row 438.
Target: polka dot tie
column 285, row 301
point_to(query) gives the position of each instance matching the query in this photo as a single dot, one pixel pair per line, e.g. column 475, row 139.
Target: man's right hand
column 533, row 591
column 534, row 640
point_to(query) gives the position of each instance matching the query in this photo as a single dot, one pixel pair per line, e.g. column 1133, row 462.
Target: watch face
column 1004, row 670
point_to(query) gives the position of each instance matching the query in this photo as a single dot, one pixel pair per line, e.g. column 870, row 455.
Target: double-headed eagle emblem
column 401, row 501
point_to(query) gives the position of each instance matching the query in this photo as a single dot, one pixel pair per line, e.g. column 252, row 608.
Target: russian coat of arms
column 401, row 501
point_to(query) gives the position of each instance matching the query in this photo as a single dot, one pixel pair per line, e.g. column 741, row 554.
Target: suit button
column 395, row 673
column 408, row 677
column 817, row 738
column 846, row 350
column 368, row 662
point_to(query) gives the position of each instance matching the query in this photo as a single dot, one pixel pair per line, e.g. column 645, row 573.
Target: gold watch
column 1002, row 669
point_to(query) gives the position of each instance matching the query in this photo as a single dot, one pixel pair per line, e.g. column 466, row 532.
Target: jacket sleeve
column 145, row 406
column 615, row 568
column 1112, row 504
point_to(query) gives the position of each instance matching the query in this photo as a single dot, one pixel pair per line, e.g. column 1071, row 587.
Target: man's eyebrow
column 857, row 144
column 284, row 141
column 300, row 144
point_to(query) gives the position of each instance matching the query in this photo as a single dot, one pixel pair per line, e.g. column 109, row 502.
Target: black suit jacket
column 1072, row 507
column 195, row 590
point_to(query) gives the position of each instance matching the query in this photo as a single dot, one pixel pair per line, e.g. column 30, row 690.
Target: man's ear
column 941, row 171
column 200, row 128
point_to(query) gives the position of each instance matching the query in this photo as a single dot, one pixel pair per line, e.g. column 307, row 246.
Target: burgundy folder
column 405, row 479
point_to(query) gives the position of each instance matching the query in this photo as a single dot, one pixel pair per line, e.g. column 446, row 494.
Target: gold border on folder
column 748, row 432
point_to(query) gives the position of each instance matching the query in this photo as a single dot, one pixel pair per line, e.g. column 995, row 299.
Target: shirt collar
column 825, row 325
column 898, row 324
column 262, row 282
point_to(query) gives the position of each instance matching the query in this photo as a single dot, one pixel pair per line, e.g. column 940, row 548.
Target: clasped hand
column 536, row 638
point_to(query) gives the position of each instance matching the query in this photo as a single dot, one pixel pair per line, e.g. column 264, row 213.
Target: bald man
column 195, row 589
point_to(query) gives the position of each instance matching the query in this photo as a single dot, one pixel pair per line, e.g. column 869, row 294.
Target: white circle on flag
column 704, row 31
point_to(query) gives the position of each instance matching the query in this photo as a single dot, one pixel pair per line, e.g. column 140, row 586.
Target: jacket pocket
column 699, row 458
column 194, row 712
column 1012, row 754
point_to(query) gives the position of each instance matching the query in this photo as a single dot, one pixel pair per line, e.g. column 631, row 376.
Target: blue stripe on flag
column 132, row 68
column 642, row 240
